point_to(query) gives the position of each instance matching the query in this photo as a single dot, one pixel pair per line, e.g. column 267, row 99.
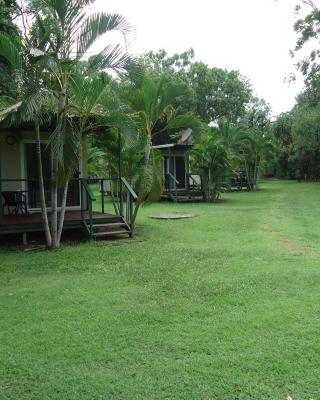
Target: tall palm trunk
column 62, row 212
column 54, row 205
column 247, row 168
column 41, row 187
column 210, row 186
column 142, row 182
column 255, row 174
column 55, row 178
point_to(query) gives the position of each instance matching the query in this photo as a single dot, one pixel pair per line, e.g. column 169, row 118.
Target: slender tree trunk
column 258, row 171
column 258, row 175
column 209, row 186
column 55, row 178
column 142, row 183
column 41, row 187
column 255, row 174
column 62, row 212
column 205, row 187
column 54, row 206
column 248, row 175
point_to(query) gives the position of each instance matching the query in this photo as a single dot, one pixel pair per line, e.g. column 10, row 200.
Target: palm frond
column 111, row 57
column 98, row 24
column 11, row 49
column 65, row 145
column 4, row 113
column 153, row 178
column 186, row 121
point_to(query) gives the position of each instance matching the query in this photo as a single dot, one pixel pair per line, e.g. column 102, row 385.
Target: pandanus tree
column 61, row 34
column 150, row 103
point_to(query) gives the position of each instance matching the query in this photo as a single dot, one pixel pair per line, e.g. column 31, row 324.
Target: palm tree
column 150, row 102
column 32, row 102
column 250, row 144
column 67, row 27
column 257, row 148
column 61, row 34
column 212, row 159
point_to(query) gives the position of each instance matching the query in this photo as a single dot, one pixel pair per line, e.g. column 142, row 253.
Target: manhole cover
column 173, row 216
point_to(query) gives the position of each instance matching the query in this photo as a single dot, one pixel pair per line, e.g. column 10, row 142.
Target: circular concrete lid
column 174, row 216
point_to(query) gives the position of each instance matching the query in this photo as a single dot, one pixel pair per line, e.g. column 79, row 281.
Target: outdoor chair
column 15, row 202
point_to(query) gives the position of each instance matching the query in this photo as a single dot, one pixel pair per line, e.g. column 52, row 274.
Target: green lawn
column 222, row 306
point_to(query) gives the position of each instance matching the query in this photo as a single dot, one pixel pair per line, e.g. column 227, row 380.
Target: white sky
column 252, row 36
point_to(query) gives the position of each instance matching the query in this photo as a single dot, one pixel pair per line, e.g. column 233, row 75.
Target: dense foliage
column 213, row 93
column 162, row 93
column 119, row 115
column 296, row 133
column 8, row 12
column 57, row 87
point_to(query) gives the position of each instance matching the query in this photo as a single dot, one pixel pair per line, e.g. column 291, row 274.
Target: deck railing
column 116, row 196
column 87, row 198
column 172, row 185
column 194, row 185
column 130, row 198
column 115, row 193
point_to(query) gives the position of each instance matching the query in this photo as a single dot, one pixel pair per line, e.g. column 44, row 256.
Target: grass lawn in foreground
column 222, row 306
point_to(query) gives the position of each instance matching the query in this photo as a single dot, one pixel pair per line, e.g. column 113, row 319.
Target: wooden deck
column 33, row 222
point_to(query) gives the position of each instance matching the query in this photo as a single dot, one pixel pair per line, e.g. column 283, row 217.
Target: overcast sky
column 252, row 36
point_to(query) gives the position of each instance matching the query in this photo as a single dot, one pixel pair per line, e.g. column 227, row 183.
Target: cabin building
column 180, row 183
column 101, row 207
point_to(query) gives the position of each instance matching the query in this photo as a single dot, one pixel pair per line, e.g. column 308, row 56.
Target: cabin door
column 177, row 167
column 180, row 172
column 31, row 174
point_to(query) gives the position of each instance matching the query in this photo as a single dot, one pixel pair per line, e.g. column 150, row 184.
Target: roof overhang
column 163, row 146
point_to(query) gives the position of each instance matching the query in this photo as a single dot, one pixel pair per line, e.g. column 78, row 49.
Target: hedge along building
column 20, row 191
column 180, row 183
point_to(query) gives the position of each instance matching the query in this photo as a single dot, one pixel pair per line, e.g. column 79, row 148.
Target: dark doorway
column 177, row 167
column 180, row 172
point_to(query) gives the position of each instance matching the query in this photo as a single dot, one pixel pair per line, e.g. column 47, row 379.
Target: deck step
column 106, row 225
column 111, row 233
column 182, row 197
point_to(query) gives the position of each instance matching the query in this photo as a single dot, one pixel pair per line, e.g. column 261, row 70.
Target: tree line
column 231, row 127
column 297, row 132
column 90, row 100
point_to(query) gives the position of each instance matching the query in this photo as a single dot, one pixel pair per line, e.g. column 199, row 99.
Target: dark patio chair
column 15, row 202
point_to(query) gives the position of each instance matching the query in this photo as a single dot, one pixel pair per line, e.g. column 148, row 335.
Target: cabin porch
column 33, row 222
column 104, row 208
column 181, row 185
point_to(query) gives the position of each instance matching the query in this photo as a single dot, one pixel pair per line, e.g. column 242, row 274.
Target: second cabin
column 180, row 183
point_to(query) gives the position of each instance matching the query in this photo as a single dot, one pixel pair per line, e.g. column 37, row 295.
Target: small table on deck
column 15, row 199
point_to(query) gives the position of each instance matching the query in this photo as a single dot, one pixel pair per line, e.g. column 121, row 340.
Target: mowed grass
column 222, row 306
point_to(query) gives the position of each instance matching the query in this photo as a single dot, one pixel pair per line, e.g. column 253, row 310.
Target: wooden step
column 106, row 225
column 111, row 233
column 185, row 199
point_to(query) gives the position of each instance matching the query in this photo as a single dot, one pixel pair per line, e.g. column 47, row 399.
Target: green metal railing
column 131, row 197
column 119, row 192
column 172, row 185
column 121, row 198
column 86, row 200
column 195, row 186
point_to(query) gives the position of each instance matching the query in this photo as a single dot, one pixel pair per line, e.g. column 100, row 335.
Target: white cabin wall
column 10, row 159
